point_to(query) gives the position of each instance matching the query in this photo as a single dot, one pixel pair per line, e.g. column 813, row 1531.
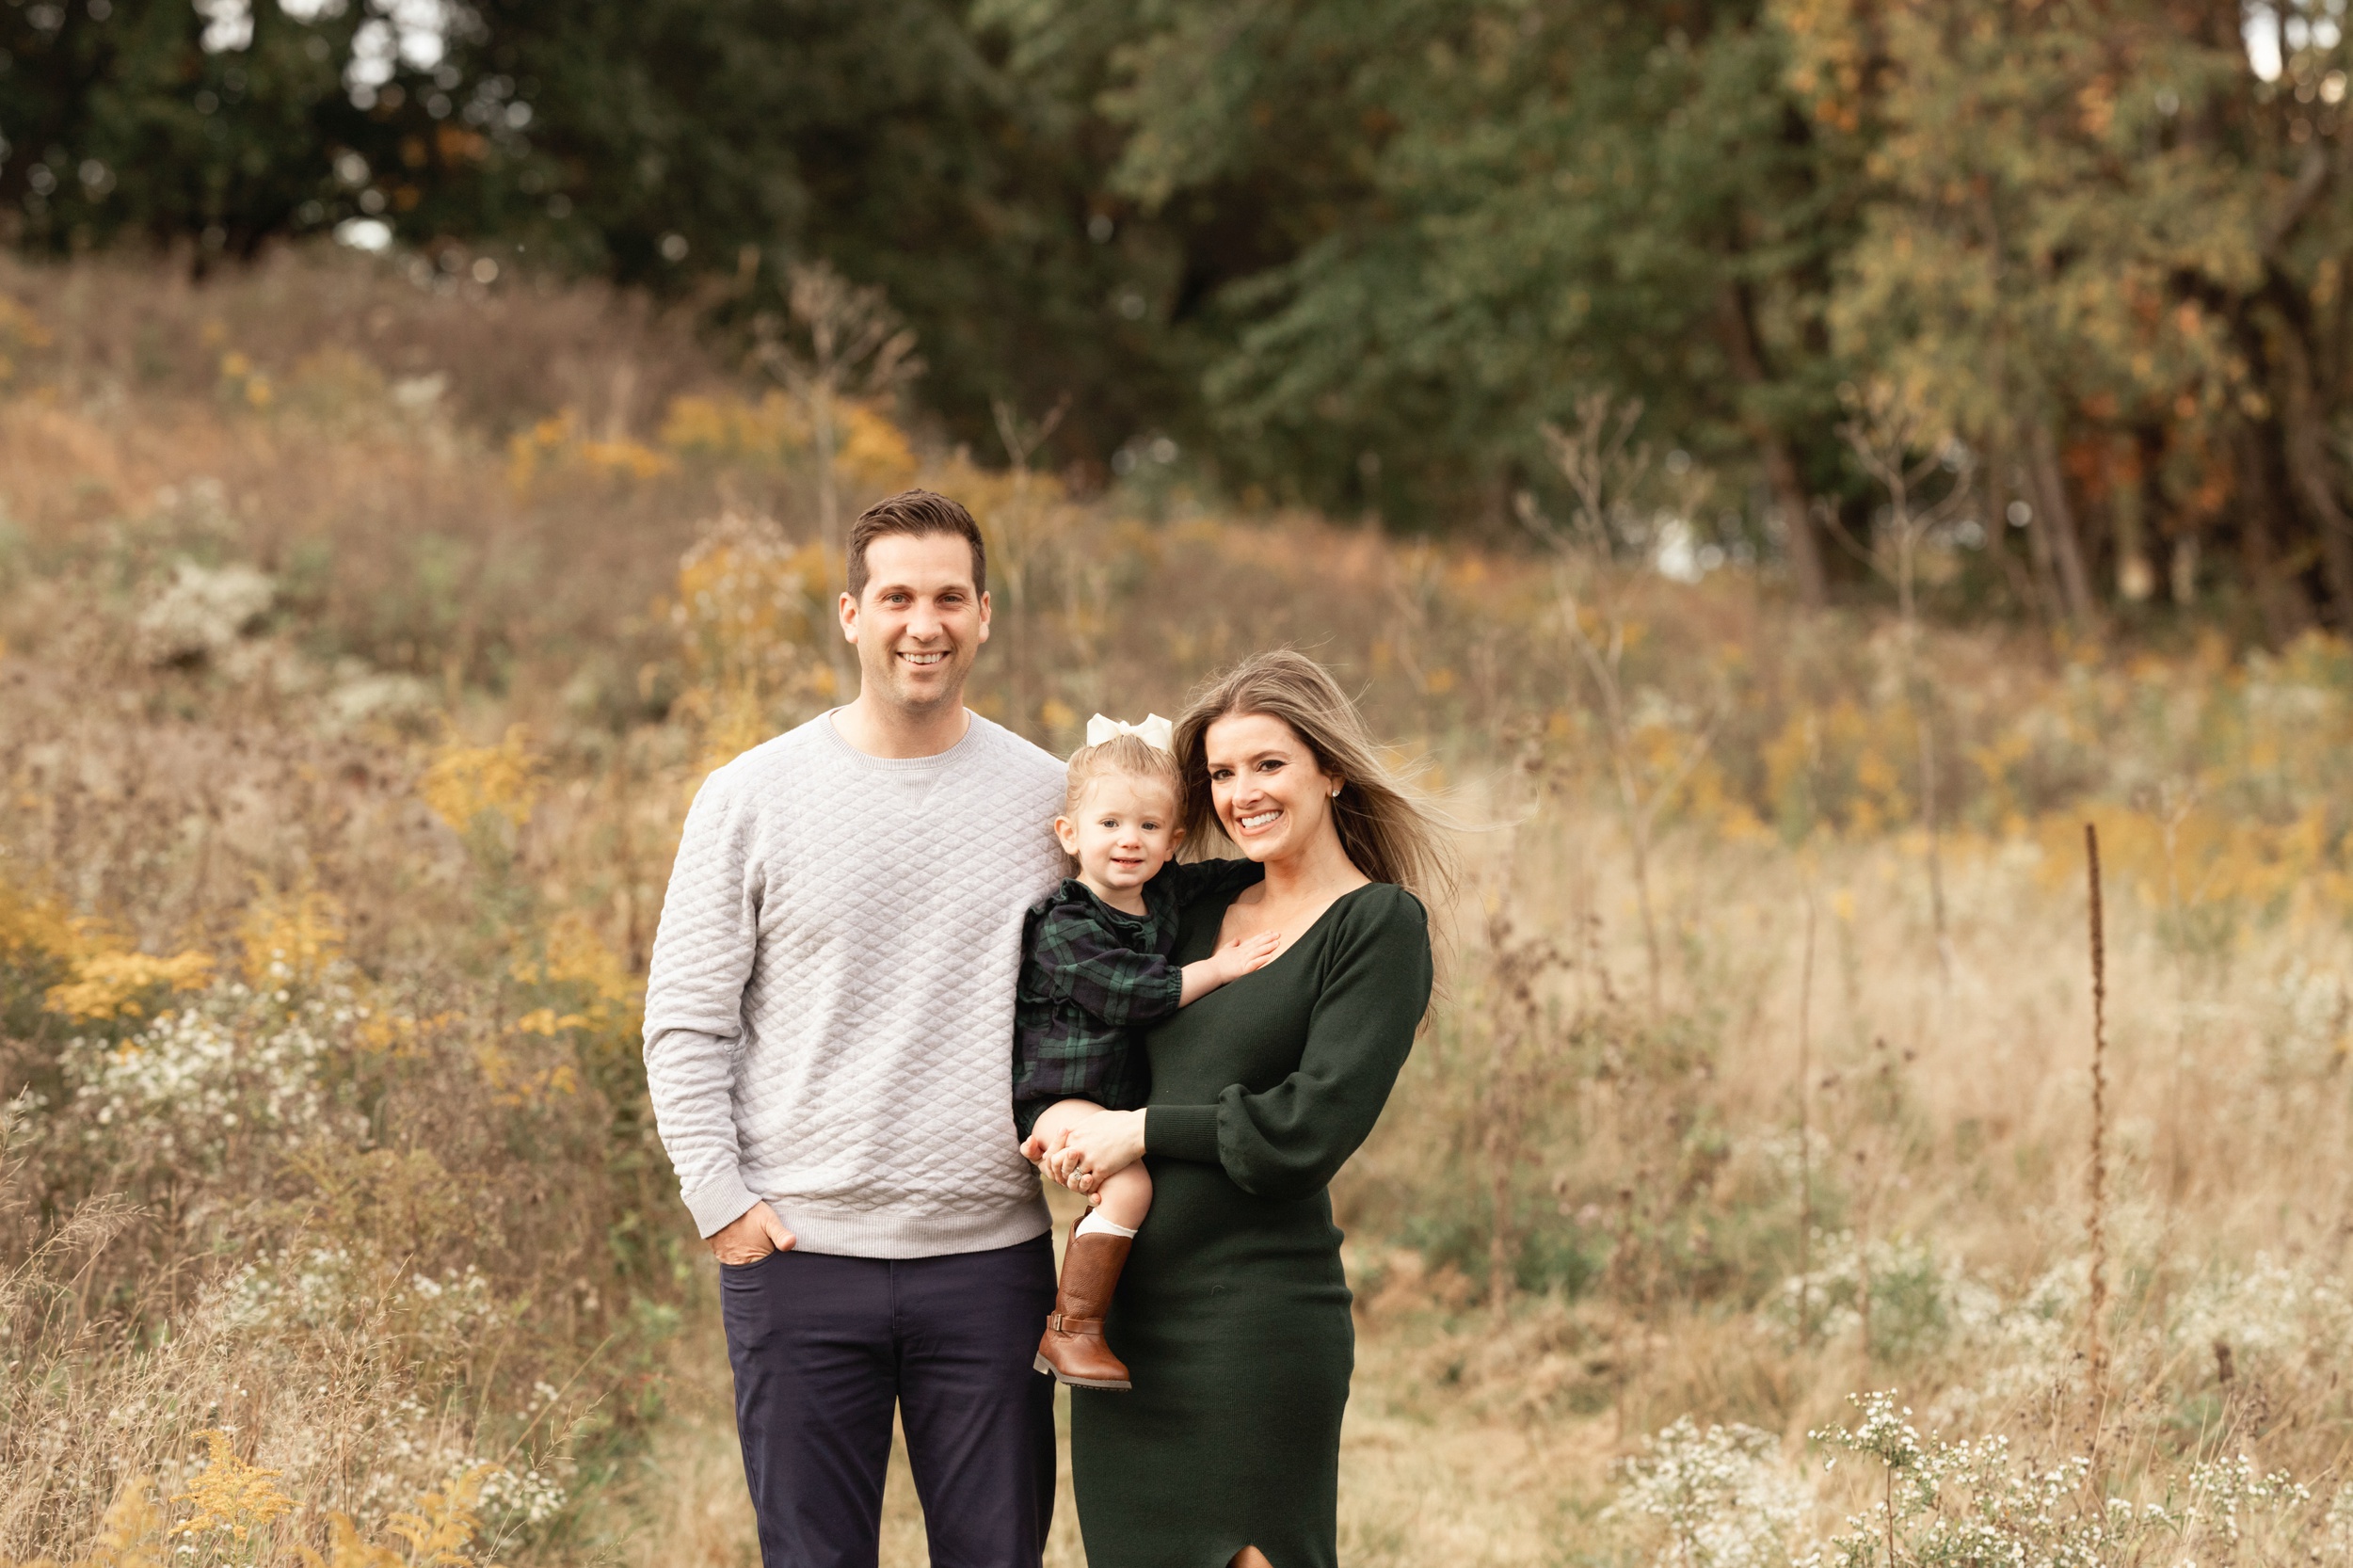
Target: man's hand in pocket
column 752, row 1235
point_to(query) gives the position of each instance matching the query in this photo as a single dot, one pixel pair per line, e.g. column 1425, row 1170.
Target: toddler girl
column 1094, row 968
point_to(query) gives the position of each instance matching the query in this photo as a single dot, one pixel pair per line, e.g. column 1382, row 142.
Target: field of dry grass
column 360, row 644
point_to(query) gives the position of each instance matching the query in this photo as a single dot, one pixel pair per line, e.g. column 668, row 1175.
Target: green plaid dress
column 1090, row 976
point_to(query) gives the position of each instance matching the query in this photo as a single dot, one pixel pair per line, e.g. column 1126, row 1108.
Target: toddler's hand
column 1245, row 954
column 1040, row 1150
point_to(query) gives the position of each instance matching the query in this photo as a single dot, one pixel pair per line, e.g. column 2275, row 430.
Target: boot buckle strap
column 1061, row 1324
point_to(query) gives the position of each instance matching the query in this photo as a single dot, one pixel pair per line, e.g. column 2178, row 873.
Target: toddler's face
column 1124, row 833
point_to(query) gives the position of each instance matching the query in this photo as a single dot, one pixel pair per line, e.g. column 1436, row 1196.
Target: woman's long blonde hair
column 1389, row 833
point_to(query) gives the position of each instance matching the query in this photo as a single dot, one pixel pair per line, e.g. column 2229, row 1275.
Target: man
column 828, row 1044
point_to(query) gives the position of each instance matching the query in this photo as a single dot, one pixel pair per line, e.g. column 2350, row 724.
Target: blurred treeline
column 1357, row 253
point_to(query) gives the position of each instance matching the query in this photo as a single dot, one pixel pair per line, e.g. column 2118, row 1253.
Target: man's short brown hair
column 915, row 513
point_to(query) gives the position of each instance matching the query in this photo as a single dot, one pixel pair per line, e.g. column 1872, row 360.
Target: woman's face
column 1272, row 798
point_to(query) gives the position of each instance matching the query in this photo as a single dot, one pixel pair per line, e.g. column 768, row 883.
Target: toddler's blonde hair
column 1123, row 754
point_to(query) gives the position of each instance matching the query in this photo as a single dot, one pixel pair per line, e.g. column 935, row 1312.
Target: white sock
column 1095, row 1224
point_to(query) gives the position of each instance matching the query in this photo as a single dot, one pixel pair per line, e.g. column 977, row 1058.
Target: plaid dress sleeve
column 1085, row 963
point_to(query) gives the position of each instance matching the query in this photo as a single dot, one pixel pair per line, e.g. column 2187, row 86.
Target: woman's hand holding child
column 1099, row 1148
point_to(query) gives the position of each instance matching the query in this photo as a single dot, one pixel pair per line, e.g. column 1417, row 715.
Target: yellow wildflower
column 349, row 1549
column 443, row 1522
column 289, row 937
column 465, row 781
column 230, row 1493
column 115, row 984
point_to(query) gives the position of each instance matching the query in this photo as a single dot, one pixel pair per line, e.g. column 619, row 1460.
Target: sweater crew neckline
column 965, row 744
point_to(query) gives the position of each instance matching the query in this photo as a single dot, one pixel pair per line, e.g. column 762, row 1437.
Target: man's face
column 919, row 624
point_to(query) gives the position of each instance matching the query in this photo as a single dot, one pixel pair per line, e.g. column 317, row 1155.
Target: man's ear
column 984, row 615
column 847, row 611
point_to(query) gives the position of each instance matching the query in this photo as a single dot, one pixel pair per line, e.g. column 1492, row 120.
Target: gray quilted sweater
column 829, row 1013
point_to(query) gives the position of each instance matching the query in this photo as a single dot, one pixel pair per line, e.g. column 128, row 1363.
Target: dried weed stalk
column 1605, row 470
column 2096, row 1217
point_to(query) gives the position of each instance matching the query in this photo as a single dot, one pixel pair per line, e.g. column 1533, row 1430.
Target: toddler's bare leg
column 1059, row 1117
column 1127, row 1196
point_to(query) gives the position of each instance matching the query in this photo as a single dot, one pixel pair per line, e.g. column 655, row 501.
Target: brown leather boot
column 1073, row 1348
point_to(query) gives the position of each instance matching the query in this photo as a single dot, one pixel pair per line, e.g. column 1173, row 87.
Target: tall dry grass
column 363, row 643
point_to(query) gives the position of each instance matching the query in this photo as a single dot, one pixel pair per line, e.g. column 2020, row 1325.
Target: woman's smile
column 1270, row 793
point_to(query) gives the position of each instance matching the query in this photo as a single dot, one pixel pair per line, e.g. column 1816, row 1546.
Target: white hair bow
column 1153, row 732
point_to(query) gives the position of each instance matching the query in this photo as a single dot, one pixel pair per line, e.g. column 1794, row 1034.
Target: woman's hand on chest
column 1290, row 917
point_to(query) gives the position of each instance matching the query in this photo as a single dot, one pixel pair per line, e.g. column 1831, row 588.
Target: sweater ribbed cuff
column 720, row 1201
column 1181, row 1132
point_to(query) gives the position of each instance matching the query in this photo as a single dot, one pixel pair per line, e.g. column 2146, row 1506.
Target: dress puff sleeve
column 1288, row 1141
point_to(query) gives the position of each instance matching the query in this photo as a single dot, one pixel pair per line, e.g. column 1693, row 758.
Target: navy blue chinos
column 825, row 1347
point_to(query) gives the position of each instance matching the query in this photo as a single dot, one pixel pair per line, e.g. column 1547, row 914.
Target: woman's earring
column 1336, row 791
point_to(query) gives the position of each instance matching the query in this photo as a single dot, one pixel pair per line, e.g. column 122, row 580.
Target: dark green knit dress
column 1233, row 1313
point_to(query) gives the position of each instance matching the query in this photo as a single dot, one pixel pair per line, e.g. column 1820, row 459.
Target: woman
column 1233, row 1313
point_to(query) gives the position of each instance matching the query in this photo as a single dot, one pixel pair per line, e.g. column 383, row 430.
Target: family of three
column 880, row 1003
